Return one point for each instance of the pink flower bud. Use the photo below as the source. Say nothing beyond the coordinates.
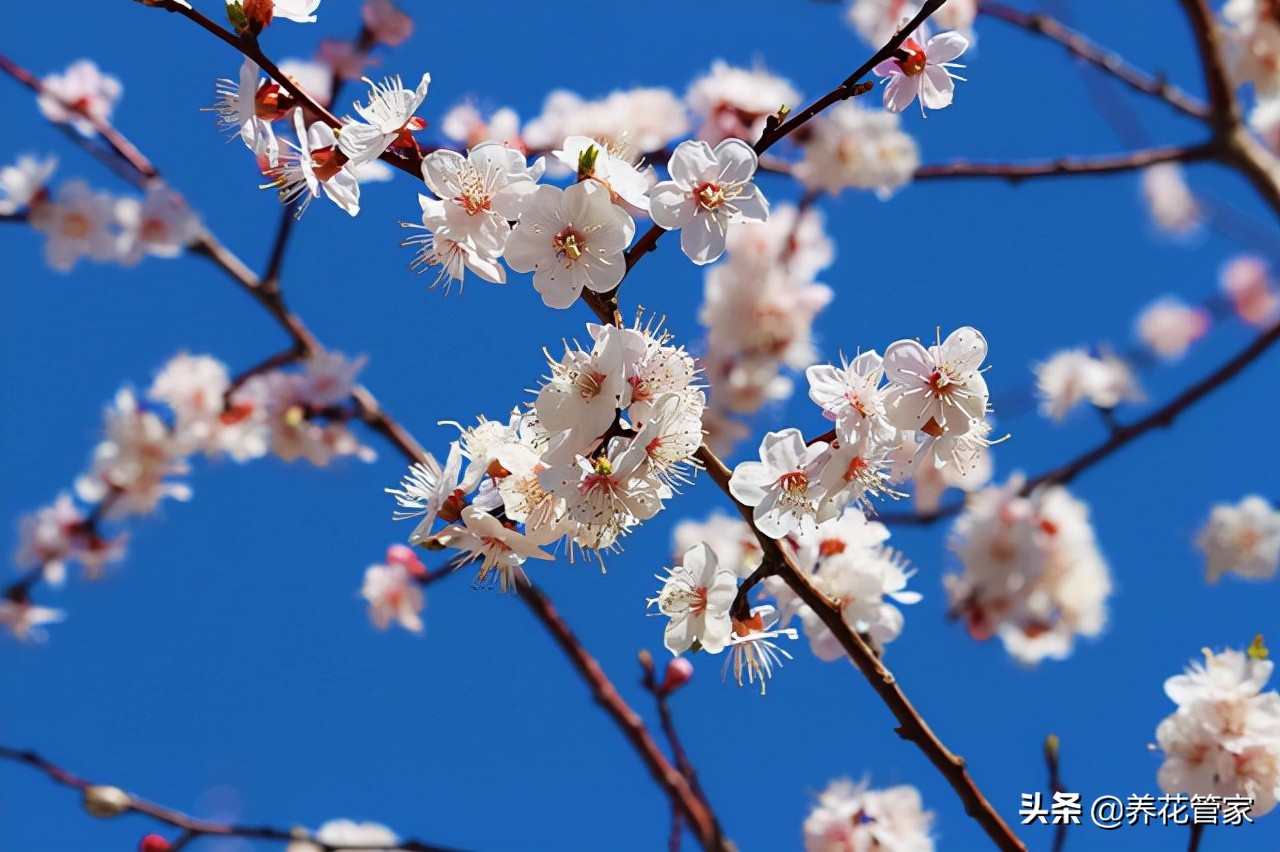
(679, 672)
(154, 843)
(403, 555)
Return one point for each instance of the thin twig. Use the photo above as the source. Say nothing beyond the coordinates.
(1223, 108)
(1052, 760)
(191, 826)
(701, 820)
(1069, 166)
(1112, 63)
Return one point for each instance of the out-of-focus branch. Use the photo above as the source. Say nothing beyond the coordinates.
(190, 826)
(1123, 435)
(1112, 63)
(1224, 110)
(1067, 166)
(120, 145)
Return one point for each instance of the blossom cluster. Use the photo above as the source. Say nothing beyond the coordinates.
(1253, 38)
(1243, 539)
(845, 558)
(1224, 738)
(610, 436)
(78, 221)
(850, 816)
(323, 159)
(192, 407)
(917, 412)
(1032, 572)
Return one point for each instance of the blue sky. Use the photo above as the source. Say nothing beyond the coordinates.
(228, 668)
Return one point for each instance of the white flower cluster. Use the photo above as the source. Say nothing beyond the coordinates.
(877, 21)
(851, 816)
(93, 94)
(845, 558)
(1254, 295)
(1224, 738)
(393, 590)
(190, 408)
(1243, 539)
(344, 835)
(928, 421)
(613, 431)
(851, 146)
(78, 221)
(323, 159)
(1073, 376)
(1253, 35)
(573, 239)
(1032, 575)
(758, 308)
(1168, 326)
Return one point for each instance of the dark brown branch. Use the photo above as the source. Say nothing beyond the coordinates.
(1068, 166)
(1223, 107)
(911, 725)
(1112, 63)
(191, 826)
(701, 821)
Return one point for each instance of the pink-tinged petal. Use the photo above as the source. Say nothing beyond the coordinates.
(750, 205)
(669, 206)
(737, 161)
(945, 47)
(440, 170)
(899, 92)
(906, 361)
(692, 160)
(702, 240)
(965, 349)
(887, 68)
(936, 88)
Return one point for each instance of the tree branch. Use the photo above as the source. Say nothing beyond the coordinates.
(1112, 63)
(1067, 166)
(191, 826)
(911, 725)
(1223, 108)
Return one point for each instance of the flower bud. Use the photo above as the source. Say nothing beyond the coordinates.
(154, 843)
(105, 802)
(258, 14)
(1051, 745)
(679, 672)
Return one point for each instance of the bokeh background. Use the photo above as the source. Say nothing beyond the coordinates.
(227, 668)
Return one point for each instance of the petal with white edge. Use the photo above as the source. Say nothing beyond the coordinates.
(692, 160)
(737, 161)
(945, 47)
(751, 205)
(702, 239)
(937, 89)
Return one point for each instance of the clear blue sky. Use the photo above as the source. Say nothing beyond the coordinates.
(230, 652)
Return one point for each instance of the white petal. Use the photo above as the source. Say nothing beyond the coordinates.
(937, 88)
(691, 160)
(737, 161)
(945, 47)
(702, 240)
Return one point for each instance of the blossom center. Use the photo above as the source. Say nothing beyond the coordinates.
(709, 195)
(914, 62)
(327, 162)
(76, 225)
(569, 243)
(795, 482)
